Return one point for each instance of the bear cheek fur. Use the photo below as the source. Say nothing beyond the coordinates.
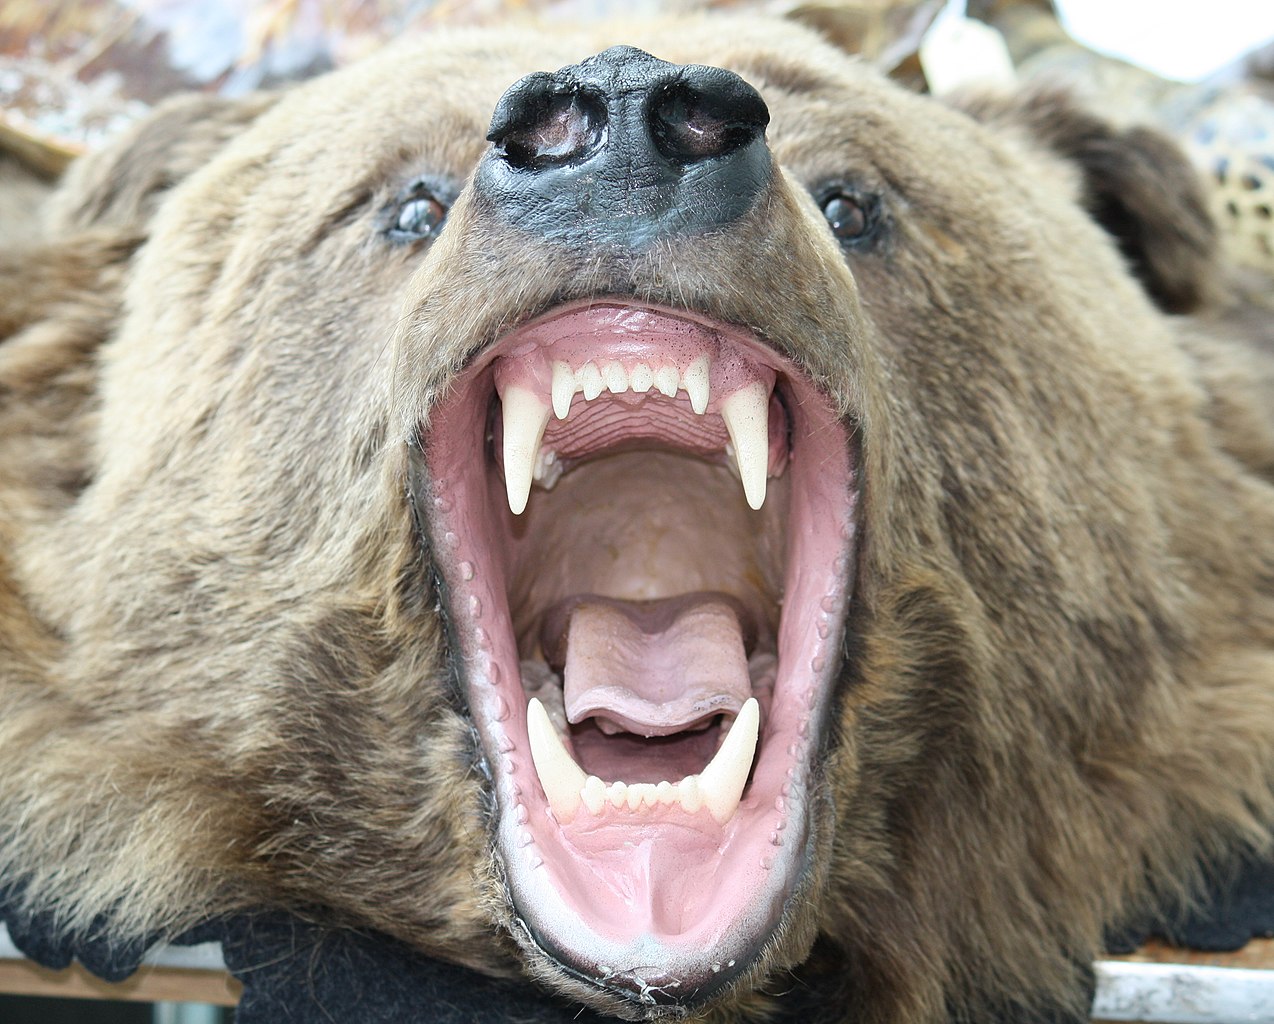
(198, 467)
(1040, 617)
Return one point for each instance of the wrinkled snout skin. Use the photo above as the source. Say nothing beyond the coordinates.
(224, 585)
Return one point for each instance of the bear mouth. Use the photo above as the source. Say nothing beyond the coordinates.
(642, 522)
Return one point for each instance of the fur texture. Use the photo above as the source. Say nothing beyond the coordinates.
(223, 678)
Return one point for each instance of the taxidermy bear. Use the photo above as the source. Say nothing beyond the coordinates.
(651, 526)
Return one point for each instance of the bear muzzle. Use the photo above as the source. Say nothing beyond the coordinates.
(623, 149)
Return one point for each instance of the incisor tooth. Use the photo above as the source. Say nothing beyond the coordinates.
(718, 787)
(525, 417)
(641, 378)
(695, 381)
(721, 783)
(594, 794)
(564, 389)
(590, 381)
(562, 779)
(688, 794)
(667, 380)
(747, 418)
(616, 378)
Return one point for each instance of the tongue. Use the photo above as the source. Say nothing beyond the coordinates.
(653, 668)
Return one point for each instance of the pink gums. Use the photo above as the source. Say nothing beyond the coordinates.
(660, 903)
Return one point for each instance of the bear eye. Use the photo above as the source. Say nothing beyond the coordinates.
(417, 215)
(852, 216)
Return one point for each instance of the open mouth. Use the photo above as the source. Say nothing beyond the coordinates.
(643, 521)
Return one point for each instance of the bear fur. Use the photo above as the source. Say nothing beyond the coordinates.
(224, 678)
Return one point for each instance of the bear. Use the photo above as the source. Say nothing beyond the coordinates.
(940, 554)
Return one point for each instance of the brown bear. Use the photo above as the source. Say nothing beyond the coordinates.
(659, 524)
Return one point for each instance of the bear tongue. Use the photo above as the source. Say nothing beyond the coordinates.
(651, 668)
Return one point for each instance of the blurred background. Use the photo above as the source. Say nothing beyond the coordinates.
(73, 71)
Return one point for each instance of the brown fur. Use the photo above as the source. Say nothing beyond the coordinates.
(222, 675)
(22, 193)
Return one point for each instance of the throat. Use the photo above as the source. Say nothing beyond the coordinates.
(644, 526)
(647, 593)
(645, 598)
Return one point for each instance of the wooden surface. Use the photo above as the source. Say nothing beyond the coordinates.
(1256, 955)
(150, 984)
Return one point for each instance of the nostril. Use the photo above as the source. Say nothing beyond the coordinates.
(624, 149)
(705, 113)
(539, 124)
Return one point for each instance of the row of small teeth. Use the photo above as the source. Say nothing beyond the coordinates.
(526, 416)
(719, 787)
(592, 380)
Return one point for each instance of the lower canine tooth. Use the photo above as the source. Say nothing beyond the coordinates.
(563, 780)
(721, 783)
(747, 418)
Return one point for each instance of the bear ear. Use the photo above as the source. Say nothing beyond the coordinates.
(121, 185)
(1136, 183)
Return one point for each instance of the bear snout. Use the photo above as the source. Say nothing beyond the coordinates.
(623, 149)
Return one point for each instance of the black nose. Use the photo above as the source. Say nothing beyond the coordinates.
(625, 148)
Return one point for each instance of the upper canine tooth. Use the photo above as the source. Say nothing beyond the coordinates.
(590, 381)
(564, 388)
(747, 418)
(721, 783)
(667, 380)
(562, 779)
(616, 378)
(642, 378)
(695, 381)
(525, 417)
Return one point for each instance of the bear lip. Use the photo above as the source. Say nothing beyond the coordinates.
(649, 901)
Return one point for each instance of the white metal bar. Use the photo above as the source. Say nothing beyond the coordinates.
(1183, 994)
(185, 1013)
